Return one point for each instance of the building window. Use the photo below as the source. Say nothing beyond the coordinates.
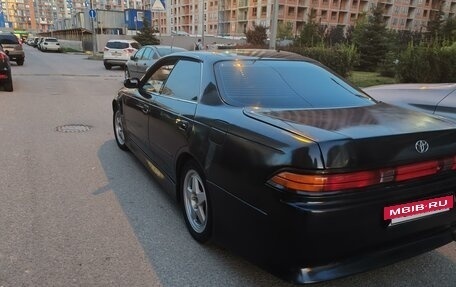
(263, 11)
(254, 11)
(324, 14)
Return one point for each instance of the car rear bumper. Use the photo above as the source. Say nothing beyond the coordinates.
(16, 56)
(317, 238)
(373, 259)
(119, 62)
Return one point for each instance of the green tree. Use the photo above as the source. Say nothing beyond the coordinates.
(448, 30)
(336, 35)
(434, 26)
(256, 36)
(310, 34)
(371, 38)
(145, 35)
(285, 30)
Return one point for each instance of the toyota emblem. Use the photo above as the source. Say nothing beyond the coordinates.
(421, 146)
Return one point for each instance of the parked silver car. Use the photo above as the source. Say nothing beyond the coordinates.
(437, 99)
(138, 64)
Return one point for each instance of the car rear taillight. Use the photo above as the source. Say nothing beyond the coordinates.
(130, 50)
(106, 49)
(342, 181)
(3, 57)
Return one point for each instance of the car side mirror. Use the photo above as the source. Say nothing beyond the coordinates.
(133, 58)
(132, 83)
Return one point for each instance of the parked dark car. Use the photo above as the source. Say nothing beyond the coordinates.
(6, 80)
(438, 99)
(138, 64)
(12, 47)
(277, 159)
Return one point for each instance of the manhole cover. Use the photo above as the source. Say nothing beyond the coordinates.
(74, 128)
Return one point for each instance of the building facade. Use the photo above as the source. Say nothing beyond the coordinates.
(226, 17)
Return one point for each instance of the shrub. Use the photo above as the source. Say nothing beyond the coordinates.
(388, 66)
(427, 64)
(339, 58)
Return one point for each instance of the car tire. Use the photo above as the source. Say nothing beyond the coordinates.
(119, 132)
(107, 66)
(195, 202)
(20, 62)
(8, 86)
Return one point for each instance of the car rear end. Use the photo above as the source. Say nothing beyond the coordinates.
(117, 52)
(12, 47)
(346, 184)
(51, 44)
(6, 80)
(368, 215)
(382, 190)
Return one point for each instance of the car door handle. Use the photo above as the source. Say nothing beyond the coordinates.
(182, 125)
(145, 109)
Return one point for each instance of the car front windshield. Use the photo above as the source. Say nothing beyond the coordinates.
(284, 84)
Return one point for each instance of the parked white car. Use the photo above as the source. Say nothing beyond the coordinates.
(50, 44)
(118, 52)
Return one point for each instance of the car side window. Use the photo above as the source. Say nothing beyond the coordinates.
(155, 82)
(146, 55)
(139, 54)
(184, 82)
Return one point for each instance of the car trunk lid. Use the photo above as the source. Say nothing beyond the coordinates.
(367, 137)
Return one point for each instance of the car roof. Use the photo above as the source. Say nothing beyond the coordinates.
(162, 46)
(252, 54)
(122, 40)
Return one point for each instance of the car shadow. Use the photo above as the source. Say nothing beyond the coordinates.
(177, 260)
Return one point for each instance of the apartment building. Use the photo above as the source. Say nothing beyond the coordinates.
(234, 17)
(229, 17)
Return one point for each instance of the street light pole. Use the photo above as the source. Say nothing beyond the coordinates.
(274, 23)
(201, 3)
(94, 37)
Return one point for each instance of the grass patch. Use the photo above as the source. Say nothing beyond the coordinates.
(367, 79)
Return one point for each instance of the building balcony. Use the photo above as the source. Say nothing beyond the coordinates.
(242, 17)
(243, 3)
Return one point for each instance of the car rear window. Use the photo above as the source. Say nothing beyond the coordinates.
(284, 84)
(117, 45)
(51, 40)
(8, 39)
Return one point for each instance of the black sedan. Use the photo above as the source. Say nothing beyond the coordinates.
(278, 159)
(6, 80)
(438, 99)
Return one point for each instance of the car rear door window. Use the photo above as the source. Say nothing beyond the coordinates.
(138, 54)
(184, 81)
(147, 54)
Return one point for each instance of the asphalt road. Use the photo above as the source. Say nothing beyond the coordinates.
(77, 211)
